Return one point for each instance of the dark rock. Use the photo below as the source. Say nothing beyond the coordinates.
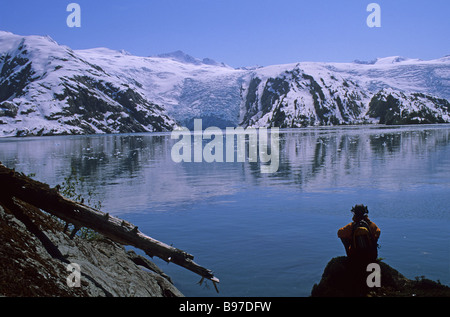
(342, 278)
(35, 254)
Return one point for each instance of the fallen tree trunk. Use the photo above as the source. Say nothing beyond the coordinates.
(19, 186)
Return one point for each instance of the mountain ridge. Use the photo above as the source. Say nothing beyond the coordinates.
(47, 89)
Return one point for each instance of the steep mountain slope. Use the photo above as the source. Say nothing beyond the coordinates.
(46, 88)
(306, 94)
(49, 89)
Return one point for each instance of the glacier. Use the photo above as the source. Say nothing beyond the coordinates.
(49, 89)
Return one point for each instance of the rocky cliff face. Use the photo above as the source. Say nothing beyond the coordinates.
(35, 254)
(318, 94)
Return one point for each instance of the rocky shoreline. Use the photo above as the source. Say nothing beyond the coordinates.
(35, 255)
(342, 279)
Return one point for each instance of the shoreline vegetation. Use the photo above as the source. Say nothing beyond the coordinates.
(37, 249)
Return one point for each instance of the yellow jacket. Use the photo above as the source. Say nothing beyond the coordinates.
(345, 233)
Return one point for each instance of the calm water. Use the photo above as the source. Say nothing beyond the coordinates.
(267, 234)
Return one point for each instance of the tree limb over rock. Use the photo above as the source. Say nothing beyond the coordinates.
(18, 185)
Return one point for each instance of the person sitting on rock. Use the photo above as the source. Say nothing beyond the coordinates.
(360, 237)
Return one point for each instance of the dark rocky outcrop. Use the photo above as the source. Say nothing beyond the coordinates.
(341, 278)
(35, 253)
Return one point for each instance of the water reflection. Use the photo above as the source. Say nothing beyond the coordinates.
(383, 158)
(226, 213)
(136, 171)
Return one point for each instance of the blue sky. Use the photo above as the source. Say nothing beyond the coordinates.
(242, 32)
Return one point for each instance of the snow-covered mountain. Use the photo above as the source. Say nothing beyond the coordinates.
(47, 88)
(390, 90)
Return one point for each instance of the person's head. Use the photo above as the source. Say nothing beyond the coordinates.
(360, 211)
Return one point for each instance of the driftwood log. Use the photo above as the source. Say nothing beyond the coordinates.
(17, 185)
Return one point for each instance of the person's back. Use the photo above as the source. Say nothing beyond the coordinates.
(360, 237)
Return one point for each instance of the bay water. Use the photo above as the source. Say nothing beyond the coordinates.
(266, 234)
